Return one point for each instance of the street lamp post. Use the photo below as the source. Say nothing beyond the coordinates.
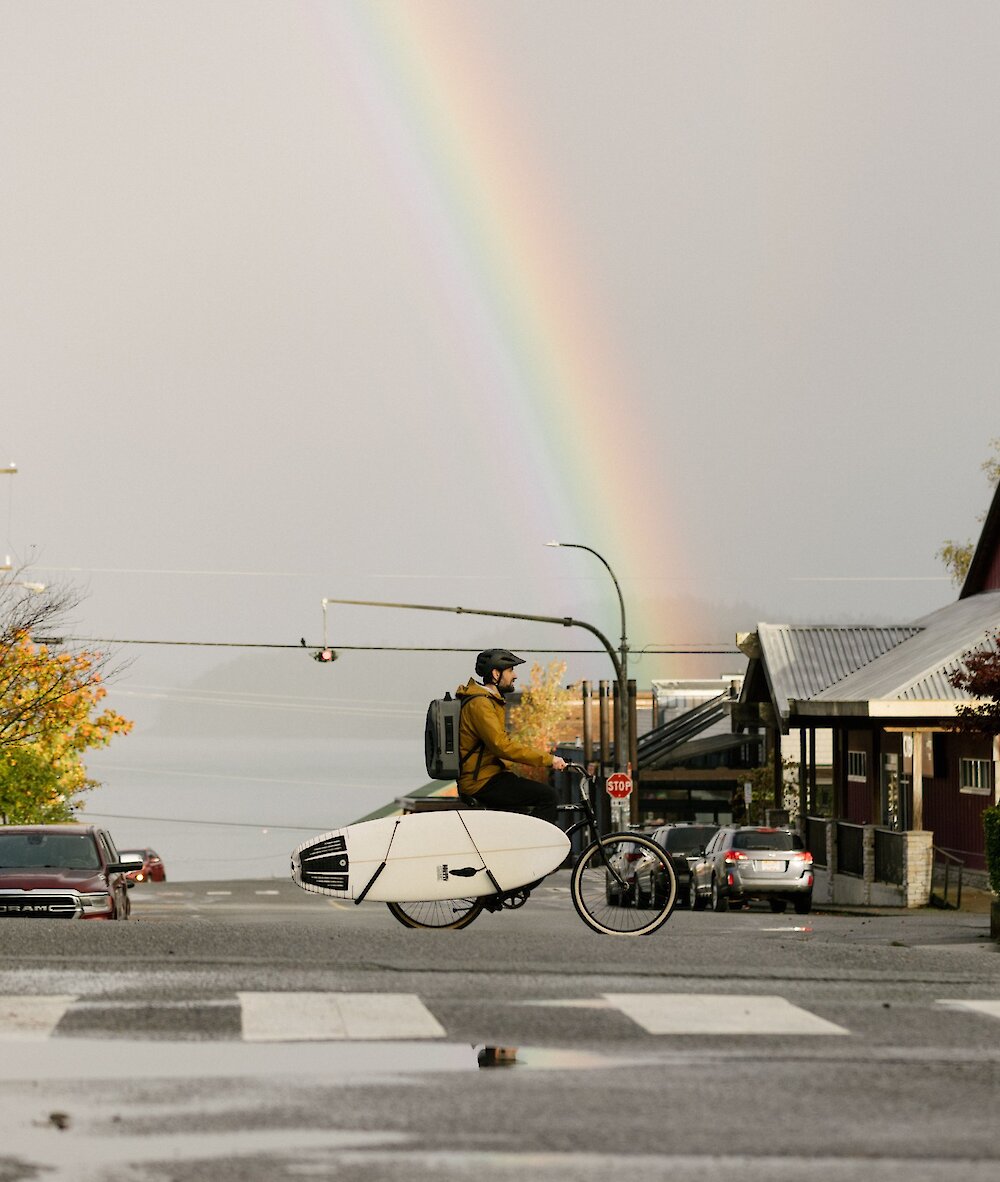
(622, 732)
(564, 621)
(10, 470)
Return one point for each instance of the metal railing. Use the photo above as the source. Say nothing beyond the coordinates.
(951, 871)
(850, 849)
(816, 839)
(888, 856)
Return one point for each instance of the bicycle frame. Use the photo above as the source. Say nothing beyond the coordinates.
(590, 819)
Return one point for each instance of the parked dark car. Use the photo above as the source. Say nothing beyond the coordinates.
(685, 845)
(742, 863)
(61, 872)
(148, 865)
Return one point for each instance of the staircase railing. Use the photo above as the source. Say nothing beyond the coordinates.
(950, 861)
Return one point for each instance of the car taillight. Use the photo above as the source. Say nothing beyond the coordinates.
(805, 856)
(736, 856)
(632, 857)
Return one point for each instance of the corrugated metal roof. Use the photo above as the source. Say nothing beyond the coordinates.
(917, 670)
(803, 660)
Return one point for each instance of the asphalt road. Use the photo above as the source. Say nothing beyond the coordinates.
(251, 1031)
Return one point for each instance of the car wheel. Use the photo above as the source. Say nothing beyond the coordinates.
(719, 900)
(803, 904)
(778, 905)
(695, 901)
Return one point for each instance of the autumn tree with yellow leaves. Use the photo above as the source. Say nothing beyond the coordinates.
(957, 556)
(50, 710)
(545, 706)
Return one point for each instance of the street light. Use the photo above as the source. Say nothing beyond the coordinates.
(10, 470)
(564, 621)
(621, 737)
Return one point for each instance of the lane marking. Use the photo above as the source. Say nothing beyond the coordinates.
(715, 1013)
(990, 1008)
(32, 1017)
(319, 1017)
(571, 1003)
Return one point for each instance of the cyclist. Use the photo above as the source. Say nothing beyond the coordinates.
(485, 748)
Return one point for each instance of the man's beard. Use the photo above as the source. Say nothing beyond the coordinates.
(506, 689)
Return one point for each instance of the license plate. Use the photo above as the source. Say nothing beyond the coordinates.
(771, 864)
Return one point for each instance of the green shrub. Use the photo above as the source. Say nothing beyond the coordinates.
(991, 830)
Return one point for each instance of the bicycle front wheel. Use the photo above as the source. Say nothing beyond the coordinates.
(445, 914)
(595, 890)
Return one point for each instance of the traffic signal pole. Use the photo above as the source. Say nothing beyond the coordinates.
(563, 621)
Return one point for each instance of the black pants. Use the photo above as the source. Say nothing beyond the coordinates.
(516, 794)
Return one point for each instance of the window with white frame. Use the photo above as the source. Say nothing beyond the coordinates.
(976, 777)
(857, 765)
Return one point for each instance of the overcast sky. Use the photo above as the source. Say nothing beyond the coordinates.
(371, 300)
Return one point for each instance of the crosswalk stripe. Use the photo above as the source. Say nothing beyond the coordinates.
(364, 1017)
(717, 1013)
(317, 1017)
(32, 1017)
(992, 1008)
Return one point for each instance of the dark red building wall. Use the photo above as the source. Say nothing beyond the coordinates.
(956, 818)
(859, 798)
(992, 580)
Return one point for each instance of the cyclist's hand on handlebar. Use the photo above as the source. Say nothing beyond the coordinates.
(558, 763)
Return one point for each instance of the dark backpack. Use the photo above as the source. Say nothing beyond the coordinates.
(441, 755)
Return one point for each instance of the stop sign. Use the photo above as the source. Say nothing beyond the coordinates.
(619, 785)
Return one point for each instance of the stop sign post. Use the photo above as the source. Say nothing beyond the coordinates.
(619, 785)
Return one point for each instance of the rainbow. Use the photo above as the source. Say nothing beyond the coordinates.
(501, 253)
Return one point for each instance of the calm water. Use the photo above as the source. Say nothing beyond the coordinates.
(231, 808)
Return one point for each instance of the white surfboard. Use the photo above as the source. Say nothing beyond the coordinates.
(442, 855)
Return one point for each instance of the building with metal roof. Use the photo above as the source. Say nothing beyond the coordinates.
(885, 694)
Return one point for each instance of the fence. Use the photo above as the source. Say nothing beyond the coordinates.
(850, 849)
(888, 856)
(816, 839)
(869, 865)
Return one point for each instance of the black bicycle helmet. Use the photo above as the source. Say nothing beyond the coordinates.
(496, 658)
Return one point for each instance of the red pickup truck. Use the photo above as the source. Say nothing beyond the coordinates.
(61, 872)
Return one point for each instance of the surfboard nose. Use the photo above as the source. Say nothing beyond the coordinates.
(325, 864)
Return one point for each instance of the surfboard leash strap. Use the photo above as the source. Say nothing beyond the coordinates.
(489, 872)
(371, 882)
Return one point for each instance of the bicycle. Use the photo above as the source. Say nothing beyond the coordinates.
(603, 896)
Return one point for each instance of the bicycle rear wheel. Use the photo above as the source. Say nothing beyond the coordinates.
(444, 914)
(593, 886)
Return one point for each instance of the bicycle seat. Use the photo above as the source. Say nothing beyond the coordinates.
(570, 808)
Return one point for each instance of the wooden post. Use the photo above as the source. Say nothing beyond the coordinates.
(812, 770)
(633, 750)
(603, 722)
(616, 730)
(633, 728)
(917, 782)
(588, 729)
(779, 778)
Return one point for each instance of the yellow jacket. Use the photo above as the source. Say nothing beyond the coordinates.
(482, 734)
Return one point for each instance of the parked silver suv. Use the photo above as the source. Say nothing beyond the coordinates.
(741, 863)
